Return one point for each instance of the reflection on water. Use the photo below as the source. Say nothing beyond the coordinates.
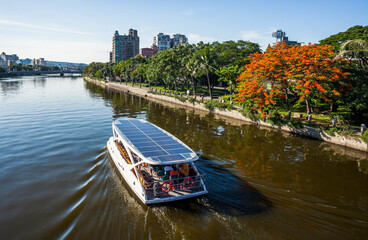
(57, 179)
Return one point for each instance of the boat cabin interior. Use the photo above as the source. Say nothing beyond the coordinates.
(166, 180)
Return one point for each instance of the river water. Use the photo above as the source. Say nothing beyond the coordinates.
(58, 181)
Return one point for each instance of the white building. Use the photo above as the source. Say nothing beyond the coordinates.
(178, 39)
(162, 41)
(38, 62)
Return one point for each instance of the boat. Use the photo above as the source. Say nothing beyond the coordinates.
(156, 165)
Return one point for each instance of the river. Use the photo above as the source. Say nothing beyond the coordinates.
(57, 179)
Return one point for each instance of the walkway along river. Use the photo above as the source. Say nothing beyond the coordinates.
(345, 141)
(57, 180)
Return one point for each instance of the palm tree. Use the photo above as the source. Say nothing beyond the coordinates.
(192, 67)
(356, 49)
(206, 62)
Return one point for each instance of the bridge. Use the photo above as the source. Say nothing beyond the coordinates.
(31, 73)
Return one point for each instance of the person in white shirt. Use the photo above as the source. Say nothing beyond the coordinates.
(168, 169)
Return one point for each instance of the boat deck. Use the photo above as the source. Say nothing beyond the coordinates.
(153, 187)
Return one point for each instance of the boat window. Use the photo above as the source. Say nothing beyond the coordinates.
(123, 152)
(136, 159)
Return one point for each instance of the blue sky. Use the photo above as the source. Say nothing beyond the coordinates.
(81, 31)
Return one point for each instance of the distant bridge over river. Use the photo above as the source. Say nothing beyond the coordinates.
(31, 73)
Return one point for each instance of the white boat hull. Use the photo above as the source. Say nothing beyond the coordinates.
(134, 183)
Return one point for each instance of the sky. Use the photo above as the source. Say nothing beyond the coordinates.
(81, 31)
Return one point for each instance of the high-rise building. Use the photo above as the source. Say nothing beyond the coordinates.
(124, 46)
(164, 42)
(38, 62)
(281, 37)
(5, 57)
(178, 39)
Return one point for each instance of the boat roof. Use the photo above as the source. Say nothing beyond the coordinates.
(152, 143)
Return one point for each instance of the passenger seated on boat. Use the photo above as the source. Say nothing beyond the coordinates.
(173, 172)
(174, 176)
(191, 171)
(157, 168)
(184, 169)
(168, 169)
(165, 177)
(145, 180)
(160, 173)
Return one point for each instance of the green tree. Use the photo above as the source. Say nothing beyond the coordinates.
(229, 74)
(355, 95)
(107, 70)
(191, 67)
(355, 50)
(99, 74)
(356, 32)
(206, 61)
(92, 68)
(234, 53)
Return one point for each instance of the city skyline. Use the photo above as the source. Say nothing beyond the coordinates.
(81, 31)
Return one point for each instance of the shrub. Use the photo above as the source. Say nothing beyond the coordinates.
(251, 114)
(224, 105)
(181, 99)
(152, 92)
(295, 123)
(276, 119)
(365, 137)
(226, 98)
(191, 100)
(210, 105)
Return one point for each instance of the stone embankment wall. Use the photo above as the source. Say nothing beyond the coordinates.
(351, 142)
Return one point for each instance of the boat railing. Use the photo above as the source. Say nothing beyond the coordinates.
(173, 186)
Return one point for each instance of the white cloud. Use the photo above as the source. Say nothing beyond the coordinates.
(262, 38)
(195, 38)
(33, 26)
(57, 50)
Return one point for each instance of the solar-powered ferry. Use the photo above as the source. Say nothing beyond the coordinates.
(157, 166)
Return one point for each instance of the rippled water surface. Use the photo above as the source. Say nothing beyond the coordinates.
(58, 181)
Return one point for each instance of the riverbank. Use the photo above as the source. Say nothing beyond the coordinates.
(306, 131)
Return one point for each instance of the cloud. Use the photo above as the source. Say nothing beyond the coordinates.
(262, 38)
(195, 38)
(32, 26)
(58, 50)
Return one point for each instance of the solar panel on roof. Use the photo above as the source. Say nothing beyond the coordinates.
(155, 153)
(141, 141)
(153, 142)
(142, 144)
(149, 148)
(162, 138)
(154, 134)
(177, 151)
(170, 158)
(172, 146)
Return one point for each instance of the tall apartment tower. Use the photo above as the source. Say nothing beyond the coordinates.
(124, 46)
(178, 39)
(162, 41)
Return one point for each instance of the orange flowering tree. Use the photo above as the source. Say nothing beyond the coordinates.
(289, 73)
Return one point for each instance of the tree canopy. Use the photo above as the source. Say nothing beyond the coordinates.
(184, 65)
(356, 32)
(287, 74)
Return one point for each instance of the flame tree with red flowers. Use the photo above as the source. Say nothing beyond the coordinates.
(284, 74)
